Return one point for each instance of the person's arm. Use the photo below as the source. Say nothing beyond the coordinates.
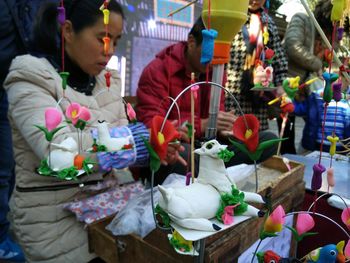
(297, 33)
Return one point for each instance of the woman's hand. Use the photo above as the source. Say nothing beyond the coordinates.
(173, 155)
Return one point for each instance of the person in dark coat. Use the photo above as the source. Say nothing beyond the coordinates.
(16, 18)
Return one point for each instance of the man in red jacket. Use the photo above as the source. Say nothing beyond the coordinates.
(168, 75)
(165, 77)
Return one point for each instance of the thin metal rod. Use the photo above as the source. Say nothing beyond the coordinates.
(199, 84)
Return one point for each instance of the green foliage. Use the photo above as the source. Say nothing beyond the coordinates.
(233, 198)
(164, 215)
(154, 158)
(225, 155)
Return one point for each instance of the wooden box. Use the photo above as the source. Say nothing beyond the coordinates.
(282, 186)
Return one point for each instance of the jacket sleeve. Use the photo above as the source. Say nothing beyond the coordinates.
(296, 35)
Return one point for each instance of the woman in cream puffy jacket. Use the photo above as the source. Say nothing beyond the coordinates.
(46, 232)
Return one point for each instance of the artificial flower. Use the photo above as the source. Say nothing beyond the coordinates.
(160, 139)
(130, 112)
(250, 137)
(73, 112)
(273, 223)
(269, 53)
(53, 118)
(347, 249)
(247, 132)
(305, 222)
(227, 216)
(345, 217)
(78, 115)
(84, 114)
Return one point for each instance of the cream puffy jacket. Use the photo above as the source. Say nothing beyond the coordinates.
(299, 45)
(46, 232)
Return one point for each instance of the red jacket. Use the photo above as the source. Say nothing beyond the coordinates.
(166, 76)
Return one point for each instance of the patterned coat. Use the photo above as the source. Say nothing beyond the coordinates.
(249, 101)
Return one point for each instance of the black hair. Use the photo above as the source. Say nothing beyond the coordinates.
(196, 30)
(81, 13)
(322, 13)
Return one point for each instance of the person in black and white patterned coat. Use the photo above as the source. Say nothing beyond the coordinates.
(240, 77)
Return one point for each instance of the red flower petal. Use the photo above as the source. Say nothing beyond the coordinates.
(240, 129)
(169, 131)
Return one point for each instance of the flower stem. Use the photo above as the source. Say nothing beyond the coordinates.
(256, 250)
(256, 177)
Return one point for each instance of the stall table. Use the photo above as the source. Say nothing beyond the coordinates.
(277, 184)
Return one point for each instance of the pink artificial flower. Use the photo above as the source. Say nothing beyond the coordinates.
(275, 221)
(53, 118)
(345, 217)
(131, 112)
(347, 249)
(227, 216)
(305, 222)
(84, 114)
(195, 89)
(73, 112)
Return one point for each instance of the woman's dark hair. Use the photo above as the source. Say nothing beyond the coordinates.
(196, 31)
(82, 14)
(322, 12)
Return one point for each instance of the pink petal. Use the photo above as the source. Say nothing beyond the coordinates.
(305, 222)
(130, 111)
(347, 249)
(53, 118)
(277, 216)
(345, 217)
(71, 108)
(227, 219)
(84, 114)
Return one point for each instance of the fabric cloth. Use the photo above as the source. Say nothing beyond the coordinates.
(33, 85)
(312, 110)
(105, 204)
(299, 44)
(166, 77)
(137, 155)
(237, 77)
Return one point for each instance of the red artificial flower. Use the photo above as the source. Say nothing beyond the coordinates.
(269, 53)
(160, 140)
(248, 135)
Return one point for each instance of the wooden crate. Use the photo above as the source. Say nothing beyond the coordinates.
(287, 189)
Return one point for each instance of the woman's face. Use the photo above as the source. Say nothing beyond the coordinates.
(86, 48)
(256, 4)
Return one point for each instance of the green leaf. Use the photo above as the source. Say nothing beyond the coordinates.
(56, 130)
(225, 155)
(189, 130)
(154, 158)
(267, 144)
(44, 168)
(164, 215)
(49, 135)
(265, 234)
(306, 234)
